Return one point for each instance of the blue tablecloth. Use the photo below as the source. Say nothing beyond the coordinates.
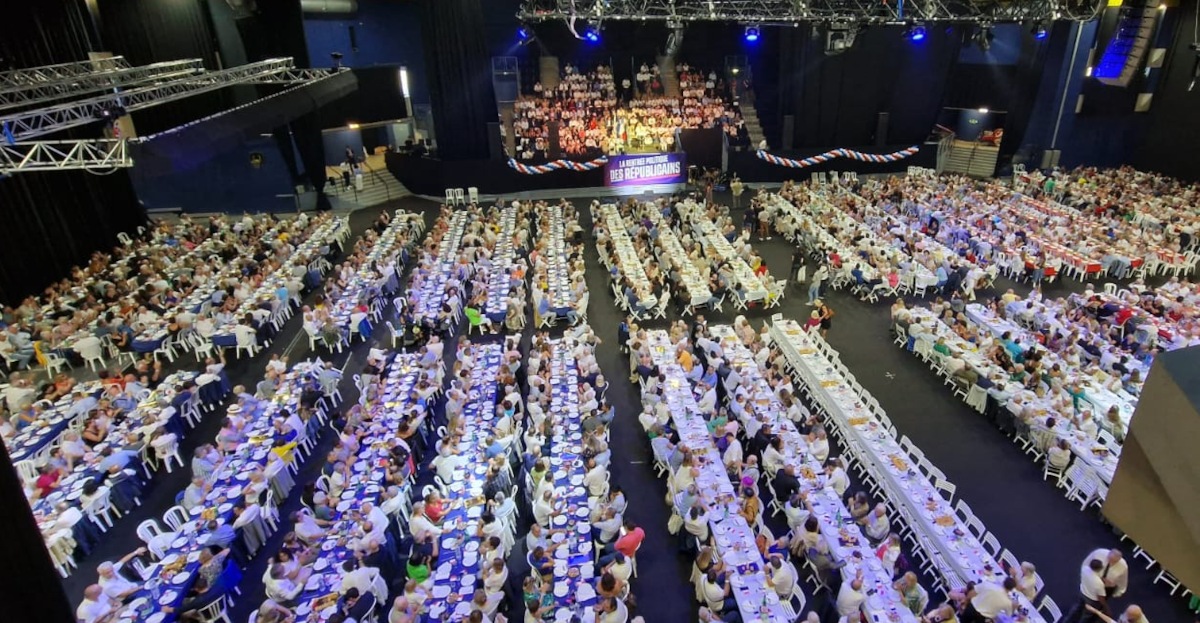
(170, 580)
(147, 346)
(457, 568)
(575, 562)
(366, 485)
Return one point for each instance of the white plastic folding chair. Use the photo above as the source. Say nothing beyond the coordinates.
(458, 196)
(473, 194)
(175, 517)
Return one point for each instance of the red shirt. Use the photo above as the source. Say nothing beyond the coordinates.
(629, 542)
(46, 483)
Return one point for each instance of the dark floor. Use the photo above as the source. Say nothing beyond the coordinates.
(1029, 516)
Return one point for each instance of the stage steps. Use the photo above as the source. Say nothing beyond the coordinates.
(974, 159)
(379, 185)
(753, 127)
(668, 75)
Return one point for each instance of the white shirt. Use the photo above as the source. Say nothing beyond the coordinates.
(116, 585)
(849, 600)
(421, 525)
(1117, 574)
(88, 610)
(991, 599)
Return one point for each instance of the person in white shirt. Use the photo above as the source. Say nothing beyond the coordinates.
(420, 525)
(876, 525)
(96, 607)
(836, 477)
(990, 601)
(1114, 571)
(850, 597)
(781, 576)
(1132, 614)
(115, 586)
(596, 479)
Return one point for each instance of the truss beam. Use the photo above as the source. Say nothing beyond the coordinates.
(33, 123)
(41, 92)
(54, 73)
(796, 11)
(89, 154)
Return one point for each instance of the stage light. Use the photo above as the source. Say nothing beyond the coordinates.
(915, 33)
(524, 33)
(752, 34)
(591, 35)
(1039, 31)
(983, 37)
(983, 111)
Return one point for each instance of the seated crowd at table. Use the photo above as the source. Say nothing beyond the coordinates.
(1028, 237)
(593, 122)
(726, 424)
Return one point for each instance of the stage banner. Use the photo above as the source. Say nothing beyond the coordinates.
(646, 169)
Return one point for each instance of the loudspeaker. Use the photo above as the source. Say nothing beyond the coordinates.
(1050, 158)
(353, 39)
(881, 129)
(554, 153)
(789, 129)
(495, 141)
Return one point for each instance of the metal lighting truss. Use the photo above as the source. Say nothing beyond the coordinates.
(108, 154)
(796, 11)
(28, 124)
(103, 153)
(31, 93)
(55, 73)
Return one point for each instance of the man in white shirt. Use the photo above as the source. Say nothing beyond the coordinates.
(420, 525)
(1115, 572)
(114, 585)
(96, 607)
(1092, 592)
(990, 601)
(850, 597)
(781, 575)
(596, 479)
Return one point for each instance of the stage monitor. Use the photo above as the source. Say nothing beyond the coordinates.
(1155, 494)
(646, 169)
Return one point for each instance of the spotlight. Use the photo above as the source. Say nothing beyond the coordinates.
(753, 33)
(591, 35)
(983, 37)
(1039, 31)
(524, 33)
(915, 33)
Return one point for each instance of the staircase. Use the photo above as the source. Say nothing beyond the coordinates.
(669, 76)
(753, 127)
(379, 185)
(973, 159)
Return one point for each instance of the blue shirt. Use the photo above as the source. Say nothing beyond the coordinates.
(119, 458)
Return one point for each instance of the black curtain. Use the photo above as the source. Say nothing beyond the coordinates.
(151, 31)
(45, 33)
(56, 220)
(306, 131)
(836, 99)
(1010, 88)
(52, 220)
(460, 82)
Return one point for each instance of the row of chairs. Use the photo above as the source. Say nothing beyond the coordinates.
(456, 196)
(929, 557)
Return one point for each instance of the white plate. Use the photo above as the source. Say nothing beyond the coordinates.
(472, 546)
(181, 577)
(178, 543)
(157, 617)
(560, 589)
(441, 591)
(321, 564)
(193, 556)
(167, 598)
(560, 520)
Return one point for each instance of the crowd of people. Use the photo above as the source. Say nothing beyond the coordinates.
(592, 120)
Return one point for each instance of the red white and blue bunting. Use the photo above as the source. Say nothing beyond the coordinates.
(557, 165)
(838, 153)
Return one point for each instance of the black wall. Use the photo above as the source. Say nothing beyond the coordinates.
(1170, 141)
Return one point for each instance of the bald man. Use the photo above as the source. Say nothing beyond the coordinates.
(96, 607)
(1132, 614)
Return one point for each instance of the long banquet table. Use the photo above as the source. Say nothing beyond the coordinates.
(960, 556)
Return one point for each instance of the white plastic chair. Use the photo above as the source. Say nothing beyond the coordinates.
(91, 349)
(175, 517)
(458, 196)
(473, 194)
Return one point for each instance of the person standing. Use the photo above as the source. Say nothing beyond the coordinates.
(814, 286)
(990, 601)
(827, 315)
(1115, 573)
(1093, 596)
(737, 188)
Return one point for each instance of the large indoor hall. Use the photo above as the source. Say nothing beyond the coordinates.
(634, 311)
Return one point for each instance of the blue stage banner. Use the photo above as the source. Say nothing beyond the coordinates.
(646, 169)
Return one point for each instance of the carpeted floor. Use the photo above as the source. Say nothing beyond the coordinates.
(1030, 517)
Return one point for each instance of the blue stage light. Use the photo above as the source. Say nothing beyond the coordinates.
(752, 34)
(591, 35)
(1040, 32)
(524, 33)
(915, 33)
